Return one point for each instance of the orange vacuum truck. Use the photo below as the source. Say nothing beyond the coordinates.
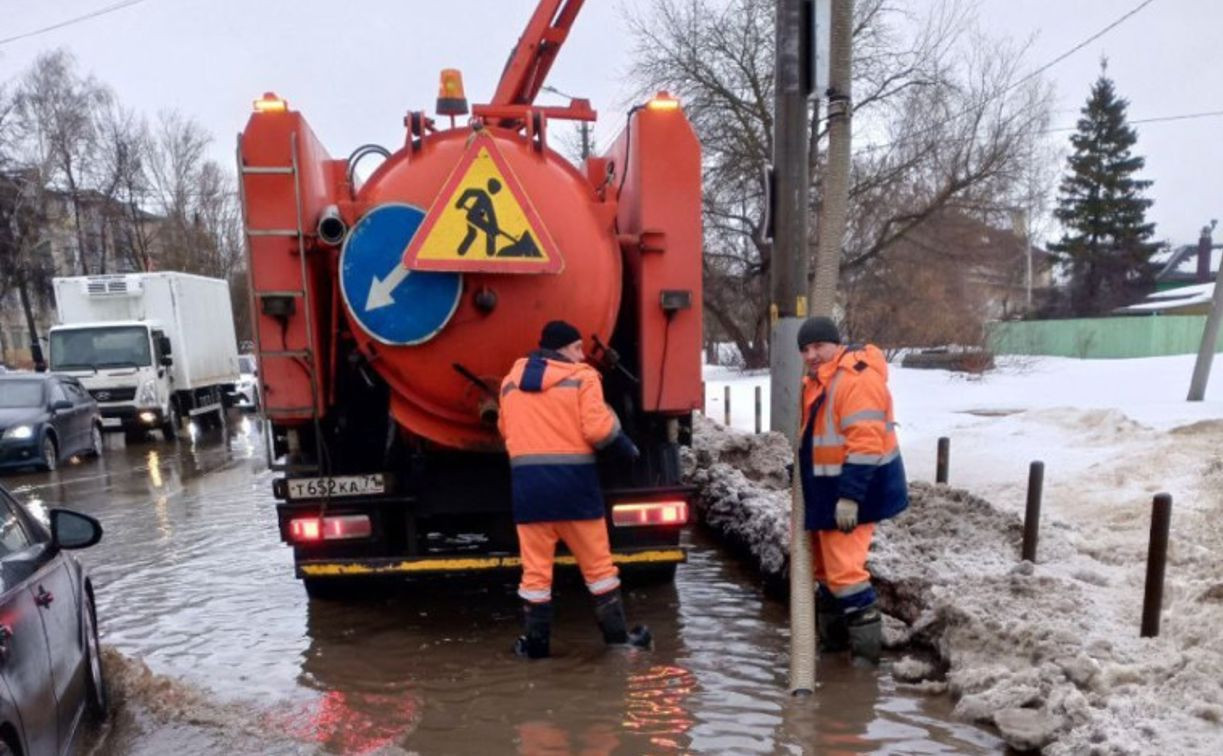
(387, 311)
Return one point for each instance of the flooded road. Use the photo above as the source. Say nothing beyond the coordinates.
(214, 647)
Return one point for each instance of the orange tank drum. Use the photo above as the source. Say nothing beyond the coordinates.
(462, 247)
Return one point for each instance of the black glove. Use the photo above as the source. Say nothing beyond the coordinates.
(623, 446)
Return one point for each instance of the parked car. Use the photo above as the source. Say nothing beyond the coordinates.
(44, 419)
(247, 390)
(50, 659)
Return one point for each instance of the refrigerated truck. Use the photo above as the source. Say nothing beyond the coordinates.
(152, 348)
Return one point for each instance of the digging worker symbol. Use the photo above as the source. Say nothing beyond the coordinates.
(482, 219)
(852, 477)
(554, 419)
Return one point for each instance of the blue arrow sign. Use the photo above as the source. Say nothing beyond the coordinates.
(394, 305)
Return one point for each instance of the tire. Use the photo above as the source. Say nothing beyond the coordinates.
(654, 574)
(95, 441)
(96, 696)
(169, 428)
(50, 454)
(345, 589)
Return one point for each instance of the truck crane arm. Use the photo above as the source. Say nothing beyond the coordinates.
(532, 57)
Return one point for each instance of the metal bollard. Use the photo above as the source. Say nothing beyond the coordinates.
(1157, 559)
(759, 417)
(726, 404)
(944, 460)
(1031, 518)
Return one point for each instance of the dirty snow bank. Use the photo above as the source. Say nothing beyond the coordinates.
(1048, 653)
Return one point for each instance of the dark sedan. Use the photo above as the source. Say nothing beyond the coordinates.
(50, 660)
(45, 419)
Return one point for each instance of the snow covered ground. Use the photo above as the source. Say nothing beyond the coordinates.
(1050, 653)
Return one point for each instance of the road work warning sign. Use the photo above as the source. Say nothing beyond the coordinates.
(482, 220)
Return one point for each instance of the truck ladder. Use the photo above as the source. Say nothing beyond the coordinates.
(305, 357)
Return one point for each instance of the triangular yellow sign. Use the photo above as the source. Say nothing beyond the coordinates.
(483, 221)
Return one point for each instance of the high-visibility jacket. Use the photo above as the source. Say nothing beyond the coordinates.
(553, 419)
(849, 448)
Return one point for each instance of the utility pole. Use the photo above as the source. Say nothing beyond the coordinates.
(1210, 335)
(788, 308)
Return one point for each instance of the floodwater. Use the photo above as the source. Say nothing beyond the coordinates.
(213, 647)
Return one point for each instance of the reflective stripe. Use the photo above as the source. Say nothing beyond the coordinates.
(537, 595)
(862, 417)
(826, 470)
(604, 585)
(615, 431)
(552, 459)
(828, 440)
(850, 590)
(569, 383)
(507, 388)
(830, 427)
(872, 459)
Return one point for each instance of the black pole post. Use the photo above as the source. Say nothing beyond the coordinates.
(944, 460)
(759, 420)
(1157, 559)
(726, 404)
(1031, 518)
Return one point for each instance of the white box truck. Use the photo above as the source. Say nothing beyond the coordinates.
(152, 348)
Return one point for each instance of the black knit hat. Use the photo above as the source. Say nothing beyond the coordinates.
(558, 334)
(818, 329)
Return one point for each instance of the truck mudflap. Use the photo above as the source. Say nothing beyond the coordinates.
(390, 566)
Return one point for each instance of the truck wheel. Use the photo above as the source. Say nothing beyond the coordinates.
(169, 428)
(653, 574)
(344, 589)
(50, 455)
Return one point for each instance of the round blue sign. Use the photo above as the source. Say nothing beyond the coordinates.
(394, 305)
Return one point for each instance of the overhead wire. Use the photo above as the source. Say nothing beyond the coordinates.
(75, 20)
(1021, 80)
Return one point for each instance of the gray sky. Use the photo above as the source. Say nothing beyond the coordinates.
(354, 68)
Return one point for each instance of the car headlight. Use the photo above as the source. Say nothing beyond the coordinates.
(147, 394)
(20, 432)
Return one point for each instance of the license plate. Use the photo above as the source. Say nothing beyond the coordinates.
(340, 485)
(112, 422)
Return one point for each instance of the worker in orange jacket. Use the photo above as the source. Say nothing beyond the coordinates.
(554, 419)
(852, 477)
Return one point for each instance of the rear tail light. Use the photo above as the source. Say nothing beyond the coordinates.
(650, 513)
(338, 528)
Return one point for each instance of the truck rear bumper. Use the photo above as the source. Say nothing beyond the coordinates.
(391, 566)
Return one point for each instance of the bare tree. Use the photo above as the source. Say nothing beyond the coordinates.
(124, 183)
(58, 111)
(946, 117)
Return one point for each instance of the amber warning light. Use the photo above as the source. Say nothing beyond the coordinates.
(650, 513)
(270, 103)
(663, 101)
(451, 100)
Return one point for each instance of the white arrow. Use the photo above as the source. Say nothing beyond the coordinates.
(380, 290)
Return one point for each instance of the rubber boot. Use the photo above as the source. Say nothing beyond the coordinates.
(830, 622)
(866, 635)
(537, 626)
(609, 611)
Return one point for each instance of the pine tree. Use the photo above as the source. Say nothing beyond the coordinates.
(1106, 246)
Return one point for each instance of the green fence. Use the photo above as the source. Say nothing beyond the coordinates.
(1101, 338)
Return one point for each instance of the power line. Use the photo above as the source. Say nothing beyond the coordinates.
(1157, 119)
(1023, 79)
(77, 19)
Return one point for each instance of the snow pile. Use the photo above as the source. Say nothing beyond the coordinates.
(1048, 653)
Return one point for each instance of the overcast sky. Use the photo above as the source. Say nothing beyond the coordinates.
(355, 67)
